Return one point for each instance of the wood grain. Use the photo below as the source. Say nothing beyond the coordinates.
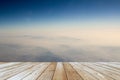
(59, 70)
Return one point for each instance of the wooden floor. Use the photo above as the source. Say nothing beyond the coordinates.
(59, 71)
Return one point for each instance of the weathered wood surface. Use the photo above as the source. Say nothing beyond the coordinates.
(59, 70)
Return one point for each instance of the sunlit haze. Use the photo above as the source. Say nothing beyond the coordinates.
(59, 30)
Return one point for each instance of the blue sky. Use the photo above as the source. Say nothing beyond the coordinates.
(15, 13)
(59, 30)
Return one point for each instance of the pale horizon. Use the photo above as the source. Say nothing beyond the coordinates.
(69, 30)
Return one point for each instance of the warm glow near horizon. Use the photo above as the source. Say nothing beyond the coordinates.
(71, 30)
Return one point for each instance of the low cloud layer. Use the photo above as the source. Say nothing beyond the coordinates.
(10, 52)
(65, 46)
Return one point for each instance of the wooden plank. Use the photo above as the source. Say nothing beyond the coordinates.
(60, 72)
(103, 71)
(112, 65)
(87, 73)
(9, 73)
(26, 72)
(112, 73)
(37, 72)
(48, 73)
(8, 64)
(71, 73)
(111, 70)
(12, 67)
